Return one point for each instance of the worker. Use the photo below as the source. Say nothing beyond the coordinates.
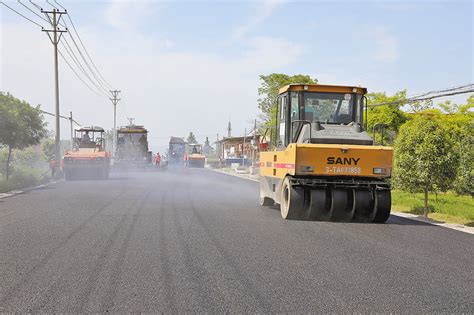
(186, 159)
(157, 159)
(195, 151)
(86, 139)
(52, 166)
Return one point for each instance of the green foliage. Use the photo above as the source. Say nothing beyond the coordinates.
(21, 125)
(424, 157)
(458, 123)
(268, 92)
(49, 149)
(191, 138)
(390, 115)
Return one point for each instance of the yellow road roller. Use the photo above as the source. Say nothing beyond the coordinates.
(322, 164)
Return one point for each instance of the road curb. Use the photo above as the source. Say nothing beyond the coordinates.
(234, 174)
(18, 192)
(452, 226)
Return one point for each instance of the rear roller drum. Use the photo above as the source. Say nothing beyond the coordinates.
(292, 201)
(364, 205)
(320, 207)
(383, 204)
(342, 205)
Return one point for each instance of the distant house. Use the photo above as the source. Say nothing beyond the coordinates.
(238, 149)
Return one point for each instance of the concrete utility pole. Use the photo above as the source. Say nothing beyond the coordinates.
(54, 18)
(72, 133)
(243, 148)
(114, 100)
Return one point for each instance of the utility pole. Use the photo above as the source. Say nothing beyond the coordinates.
(54, 18)
(72, 136)
(254, 142)
(114, 100)
(243, 148)
(229, 129)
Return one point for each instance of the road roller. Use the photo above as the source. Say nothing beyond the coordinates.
(321, 164)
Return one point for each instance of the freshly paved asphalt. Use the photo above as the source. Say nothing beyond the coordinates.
(196, 240)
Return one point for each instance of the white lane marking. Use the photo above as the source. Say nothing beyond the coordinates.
(17, 192)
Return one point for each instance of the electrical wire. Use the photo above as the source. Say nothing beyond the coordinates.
(419, 99)
(23, 16)
(87, 64)
(74, 58)
(77, 75)
(29, 9)
(84, 47)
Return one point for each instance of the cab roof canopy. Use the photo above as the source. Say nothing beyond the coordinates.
(322, 88)
(90, 129)
(132, 129)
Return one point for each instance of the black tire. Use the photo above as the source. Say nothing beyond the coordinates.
(68, 175)
(342, 205)
(320, 206)
(383, 205)
(364, 205)
(292, 201)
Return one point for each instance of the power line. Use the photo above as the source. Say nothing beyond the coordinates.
(74, 71)
(87, 53)
(29, 9)
(449, 92)
(61, 116)
(26, 18)
(87, 64)
(74, 58)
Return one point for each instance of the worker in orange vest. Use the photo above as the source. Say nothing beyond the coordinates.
(186, 159)
(52, 166)
(158, 159)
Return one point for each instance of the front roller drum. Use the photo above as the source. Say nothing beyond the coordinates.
(383, 205)
(292, 201)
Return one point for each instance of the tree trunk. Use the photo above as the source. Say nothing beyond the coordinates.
(8, 160)
(426, 202)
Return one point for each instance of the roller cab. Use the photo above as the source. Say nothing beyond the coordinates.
(323, 164)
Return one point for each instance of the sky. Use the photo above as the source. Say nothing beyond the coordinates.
(194, 65)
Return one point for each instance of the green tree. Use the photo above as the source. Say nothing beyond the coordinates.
(424, 158)
(268, 92)
(21, 125)
(49, 147)
(390, 115)
(458, 123)
(191, 138)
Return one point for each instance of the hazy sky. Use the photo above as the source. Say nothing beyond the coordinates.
(191, 65)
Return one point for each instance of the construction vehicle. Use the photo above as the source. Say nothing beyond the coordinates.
(88, 158)
(195, 156)
(176, 152)
(132, 147)
(322, 164)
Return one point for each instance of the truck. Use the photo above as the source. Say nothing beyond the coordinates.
(176, 152)
(132, 147)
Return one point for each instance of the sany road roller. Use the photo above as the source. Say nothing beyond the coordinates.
(322, 164)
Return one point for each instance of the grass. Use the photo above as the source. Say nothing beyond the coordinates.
(23, 180)
(447, 207)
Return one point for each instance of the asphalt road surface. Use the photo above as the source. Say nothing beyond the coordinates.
(196, 240)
